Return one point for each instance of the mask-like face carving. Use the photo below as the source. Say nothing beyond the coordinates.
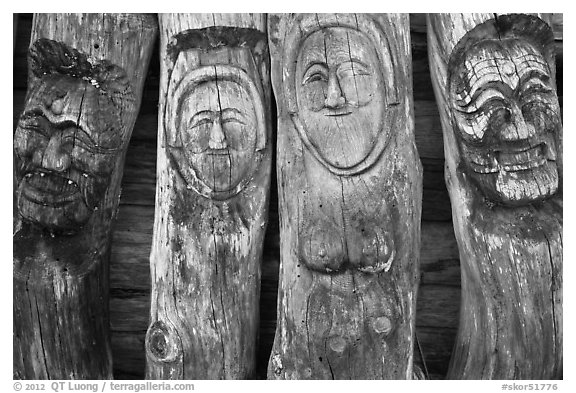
(217, 127)
(66, 145)
(339, 93)
(505, 104)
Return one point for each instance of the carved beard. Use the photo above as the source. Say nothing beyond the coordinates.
(221, 170)
(343, 137)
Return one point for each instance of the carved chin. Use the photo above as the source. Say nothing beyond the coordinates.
(65, 214)
(520, 187)
(343, 138)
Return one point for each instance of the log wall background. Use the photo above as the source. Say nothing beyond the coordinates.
(439, 293)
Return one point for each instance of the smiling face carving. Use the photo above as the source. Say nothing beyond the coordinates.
(339, 94)
(65, 151)
(504, 102)
(218, 131)
(215, 128)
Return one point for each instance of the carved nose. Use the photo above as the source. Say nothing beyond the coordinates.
(54, 157)
(335, 98)
(217, 137)
(517, 128)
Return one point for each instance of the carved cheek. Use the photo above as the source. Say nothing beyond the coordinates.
(360, 88)
(312, 95)
(27, 142)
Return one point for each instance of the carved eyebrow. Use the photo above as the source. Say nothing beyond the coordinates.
(535, 76)
(496, 91)
(353, 61)
(79, 132)
(200, 116)
(492, 80)
(315, 63)
(235, 111)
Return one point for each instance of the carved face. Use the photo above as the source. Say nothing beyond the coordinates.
(505, 104)
(217, 127)
(340, 94)
(66, 145)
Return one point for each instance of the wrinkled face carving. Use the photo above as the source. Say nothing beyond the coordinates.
(218, 129)
(66, 145)
(505, 104)
(339, 93)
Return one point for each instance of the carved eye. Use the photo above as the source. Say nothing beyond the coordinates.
(199, 122)
(316, 72)
(353, 69)
(35, 124)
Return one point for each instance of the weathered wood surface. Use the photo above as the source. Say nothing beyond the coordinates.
(213, 171)
(350, 186)
(495, 86)
(132, 235)
(85, 81)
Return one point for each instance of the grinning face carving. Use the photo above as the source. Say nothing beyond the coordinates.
(505, 104)
(66, 145)
(339, 100)
(217, 127)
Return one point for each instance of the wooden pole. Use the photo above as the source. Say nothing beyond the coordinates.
(494, 80)
(350, 189)
(85, 82)
(214, 163)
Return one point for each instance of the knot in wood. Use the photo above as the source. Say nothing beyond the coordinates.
(382, 325)
(161, 343)
(337, 344)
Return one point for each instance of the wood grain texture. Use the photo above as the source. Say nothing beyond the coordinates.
(69, 148)
(503, 143)
(130, 268)
(350, 186)
(213, 171)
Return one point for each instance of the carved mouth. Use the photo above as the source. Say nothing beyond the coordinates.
(218, 152)
(49, 189)
(513, 160)
(337, 112)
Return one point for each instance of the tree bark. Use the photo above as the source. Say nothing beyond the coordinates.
(350, 190)
(86, 73)
(494, 81)
(213, 171)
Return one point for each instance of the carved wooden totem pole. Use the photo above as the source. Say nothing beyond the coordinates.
(495, 86)
(350, 188)
(85, 82)
(214, 163)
